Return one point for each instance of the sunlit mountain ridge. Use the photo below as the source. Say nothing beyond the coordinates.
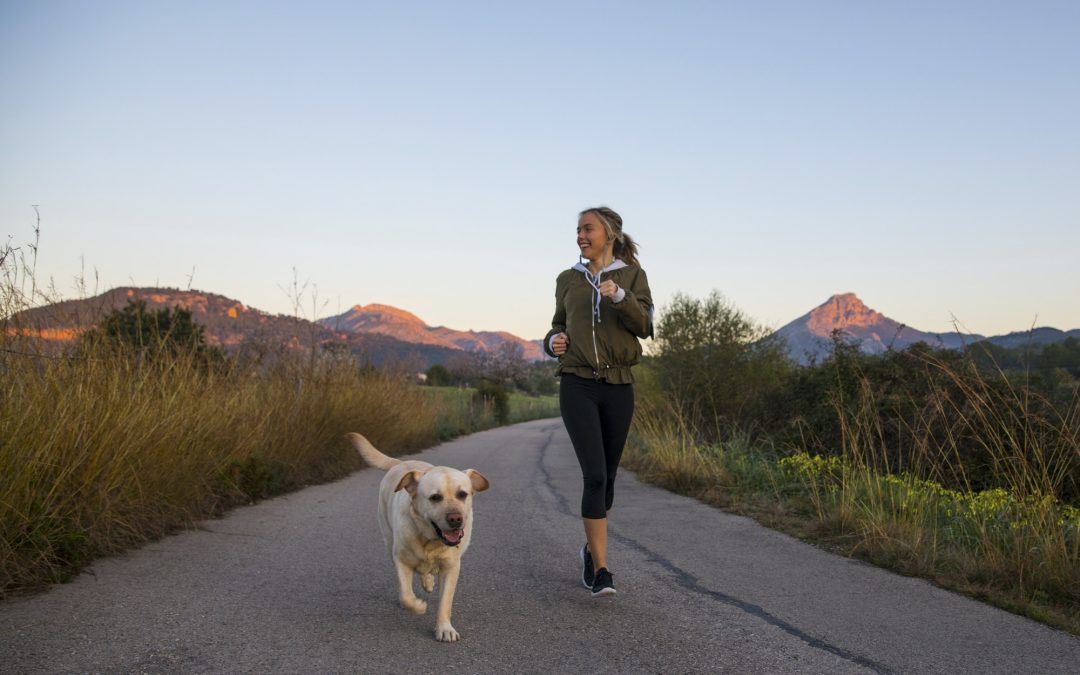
(377, 335)
(809, 337)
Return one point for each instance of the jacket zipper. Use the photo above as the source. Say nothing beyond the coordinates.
(596, 350)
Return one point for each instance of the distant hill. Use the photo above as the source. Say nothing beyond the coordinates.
(1037, 337)
(231, 325)
(407, 327)
(228, 322)
(810, 336)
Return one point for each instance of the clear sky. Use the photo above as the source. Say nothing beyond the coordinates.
(434, 156)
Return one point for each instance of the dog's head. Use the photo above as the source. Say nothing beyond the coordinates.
(442, 497)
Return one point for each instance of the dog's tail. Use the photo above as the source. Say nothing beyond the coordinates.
(370, 454)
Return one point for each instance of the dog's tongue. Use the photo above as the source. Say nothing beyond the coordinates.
(453, 536)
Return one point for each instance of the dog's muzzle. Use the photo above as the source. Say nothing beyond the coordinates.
(449, 537)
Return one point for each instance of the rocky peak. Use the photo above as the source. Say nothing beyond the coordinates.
(408, 327)
(376, 313)
(843, 310)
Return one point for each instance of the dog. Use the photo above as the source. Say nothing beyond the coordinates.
(425, 514)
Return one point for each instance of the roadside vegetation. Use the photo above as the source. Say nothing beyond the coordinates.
(962, 467)
(138, 428)
(482, 389)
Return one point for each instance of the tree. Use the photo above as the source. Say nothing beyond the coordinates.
(465, 367)
(439, 376)
(505, 364)
(162, 333)
(717, 365)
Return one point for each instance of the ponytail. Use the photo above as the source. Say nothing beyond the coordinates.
(626, 249)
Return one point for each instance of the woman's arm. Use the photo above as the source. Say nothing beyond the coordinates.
(558, 322)
(636, 307)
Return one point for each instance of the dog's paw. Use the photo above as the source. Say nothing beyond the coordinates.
(414, 605)
(444, 632)
(428, 581)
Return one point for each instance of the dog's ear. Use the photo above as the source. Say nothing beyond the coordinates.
(409, 482)
(479, 483)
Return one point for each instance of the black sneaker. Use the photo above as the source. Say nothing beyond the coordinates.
(603, 584)
(588, 574)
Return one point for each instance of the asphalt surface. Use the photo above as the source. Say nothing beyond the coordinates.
(303, 584)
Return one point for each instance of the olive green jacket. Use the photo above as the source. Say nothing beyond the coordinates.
(603, 336)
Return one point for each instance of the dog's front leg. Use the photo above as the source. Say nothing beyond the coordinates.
(405, 589)
(444, 632)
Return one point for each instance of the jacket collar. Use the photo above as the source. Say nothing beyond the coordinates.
(615, 265)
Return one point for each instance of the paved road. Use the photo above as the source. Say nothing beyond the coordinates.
(302, 584)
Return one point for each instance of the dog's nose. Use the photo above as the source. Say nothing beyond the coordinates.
(454, 520)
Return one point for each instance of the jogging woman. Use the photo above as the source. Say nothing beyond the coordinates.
(602, 306)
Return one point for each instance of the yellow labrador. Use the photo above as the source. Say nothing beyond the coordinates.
(425, 513)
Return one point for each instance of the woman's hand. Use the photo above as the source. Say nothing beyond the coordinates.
(559, 343)
(608, 288)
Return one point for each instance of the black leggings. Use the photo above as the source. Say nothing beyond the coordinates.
(597, 416)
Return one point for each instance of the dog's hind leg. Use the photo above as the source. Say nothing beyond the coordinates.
(405, 589)
(444, 632)
(428, 582)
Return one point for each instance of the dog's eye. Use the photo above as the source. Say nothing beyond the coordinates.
(462, 495)
(436, 497)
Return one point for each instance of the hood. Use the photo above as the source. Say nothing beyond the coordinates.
(615, 265)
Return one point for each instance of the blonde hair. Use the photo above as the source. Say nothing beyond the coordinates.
(625, 248)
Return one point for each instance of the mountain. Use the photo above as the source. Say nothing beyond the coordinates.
(810, 336)
(233, 326)
(1037, 337)
(228, 322)
(402, 325)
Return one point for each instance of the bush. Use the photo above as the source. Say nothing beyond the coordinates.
(538, 379)
(717, 366)
(439, 376)
(950, 416)
(157, 335)
(939, 415)
(494, 394)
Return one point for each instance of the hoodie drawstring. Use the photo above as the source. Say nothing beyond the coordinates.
(594, 281)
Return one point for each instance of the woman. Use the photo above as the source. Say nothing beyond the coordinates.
(602, 306)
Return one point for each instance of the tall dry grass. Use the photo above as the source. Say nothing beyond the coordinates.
(1016, 544)
(103, 451)
(1017, 541)
(103, 448)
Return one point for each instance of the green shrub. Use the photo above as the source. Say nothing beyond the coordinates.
(496, 395)
(718, 368)
(439, 376)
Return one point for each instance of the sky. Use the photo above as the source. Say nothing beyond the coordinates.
(434, 155)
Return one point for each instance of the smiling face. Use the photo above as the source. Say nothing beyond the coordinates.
(592, 238)
(442, 497)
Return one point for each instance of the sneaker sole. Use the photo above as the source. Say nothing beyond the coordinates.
(582, 555)
(602, 592)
